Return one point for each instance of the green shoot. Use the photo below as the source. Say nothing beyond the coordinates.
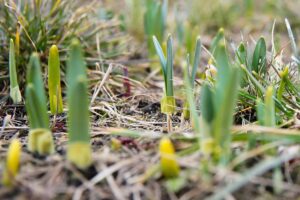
(219, 37)
(217, 105)
(79, 150)
(227, 84)
(270, 118)
(259, 61)
(55, 98)
(155, 22)
(190, 100)
(190, 35)
(241, 58)
(266, 111)
(166, 64)
(168, 100)
(192, 74)
(241, 54)
(283, 82)
(40, 138)
(15, 93)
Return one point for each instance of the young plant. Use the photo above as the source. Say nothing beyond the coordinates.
(284, 75)
(79, 149)
(217, 108)
(241, 59)
(168, 100)
(155, 22)
(216, 40)
(12, 162)
(259, 61)
(192, 74)
(55, 98)
(266, 111)
(168, 162)
(15, 93)
(40, 137)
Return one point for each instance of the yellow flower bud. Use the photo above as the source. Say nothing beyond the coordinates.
(168, 162)
(12, 162)
(115, 144)
(84, 150)
(40, 141)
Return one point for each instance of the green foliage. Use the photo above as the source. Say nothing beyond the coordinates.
(259, 61)
(207, 104)
(217, 106)
(192, 75)
(216, 40)
(36, 105)
(38, 25)
(241, 59)
(190, 103)
(55, 97)
(15, 93)
(168, 101)
(227, 84)
(79, 150)
(166, 64)
(155, 22)
(40, 138)
(241, 54)
(266, 111)
(283, 82)
(196, 61)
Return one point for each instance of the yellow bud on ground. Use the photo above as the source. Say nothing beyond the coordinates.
(12, 162)
(168, 162)
(80, 154)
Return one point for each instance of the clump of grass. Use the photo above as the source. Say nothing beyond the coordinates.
(40, 137)
(38, 24)
(55, 97)
(79, 149)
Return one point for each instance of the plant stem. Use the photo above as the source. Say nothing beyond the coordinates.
(169, 123)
